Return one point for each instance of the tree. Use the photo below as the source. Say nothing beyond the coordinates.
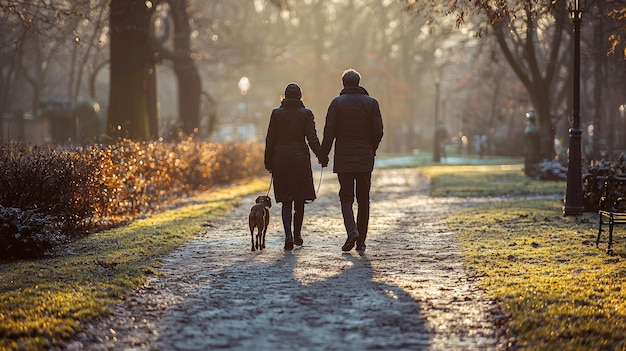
(534, 38)
(132, 70)
(231, 39)
(36, 34)
(537, 55)
(46, 50)
(187, 75)
(150, 48)
(530, 36)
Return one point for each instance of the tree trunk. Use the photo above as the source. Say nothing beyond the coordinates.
(600, 62)
(541, 100)
(189, 83)
(153, 102)
(189, 90)
(130, 70)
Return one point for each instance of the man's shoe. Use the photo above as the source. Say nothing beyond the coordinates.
(288, 242)
(298, 240)
(360, 246)
(352, 238)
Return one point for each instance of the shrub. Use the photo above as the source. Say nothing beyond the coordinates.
(100, 185)
(58, 183)
(26, 233)
(594, 177)
(549, 170)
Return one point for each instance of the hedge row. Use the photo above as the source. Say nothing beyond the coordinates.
(49, 195)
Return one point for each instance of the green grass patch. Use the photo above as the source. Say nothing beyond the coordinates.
(425, 159)
(487, 180)
(560, 291)
(45, 301)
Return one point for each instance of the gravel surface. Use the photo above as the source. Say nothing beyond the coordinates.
(408, 291)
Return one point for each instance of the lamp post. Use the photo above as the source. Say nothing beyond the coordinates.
(436, 152)
(244, 86)
(574, 192)
(622, 113)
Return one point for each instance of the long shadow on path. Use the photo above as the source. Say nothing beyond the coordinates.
(263, 306)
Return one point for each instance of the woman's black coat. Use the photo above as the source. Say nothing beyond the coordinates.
(287, 154)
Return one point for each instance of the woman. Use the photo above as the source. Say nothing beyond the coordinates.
(288, 158)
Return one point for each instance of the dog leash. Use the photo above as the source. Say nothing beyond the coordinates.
(270, 187)
(319, 185)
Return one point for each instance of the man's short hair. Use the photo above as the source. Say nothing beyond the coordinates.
(350, 78)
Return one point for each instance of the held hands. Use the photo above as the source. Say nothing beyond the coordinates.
(323, 160)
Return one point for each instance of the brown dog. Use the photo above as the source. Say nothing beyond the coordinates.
(259, 218)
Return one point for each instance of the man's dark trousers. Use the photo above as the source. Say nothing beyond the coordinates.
(362, 182)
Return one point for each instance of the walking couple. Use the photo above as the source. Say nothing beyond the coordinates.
(354, 125)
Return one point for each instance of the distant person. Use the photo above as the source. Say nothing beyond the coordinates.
(483, 145)
(442, 137)
(354, 124)
(287, 157)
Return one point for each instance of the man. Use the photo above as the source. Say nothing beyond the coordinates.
(354, 121)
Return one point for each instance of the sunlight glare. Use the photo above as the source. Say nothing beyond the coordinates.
(259, 6)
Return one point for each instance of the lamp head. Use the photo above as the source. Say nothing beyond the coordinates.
(244, 85)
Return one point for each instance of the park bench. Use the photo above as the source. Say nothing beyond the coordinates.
(612, 206)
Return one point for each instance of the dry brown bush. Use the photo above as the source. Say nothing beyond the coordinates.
(86, 188)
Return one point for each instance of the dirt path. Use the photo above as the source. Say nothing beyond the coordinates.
(409, 291)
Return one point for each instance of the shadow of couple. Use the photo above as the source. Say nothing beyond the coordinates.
(272, 305)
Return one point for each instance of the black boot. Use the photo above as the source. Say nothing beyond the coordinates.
(352, 239)
(288, 242)
(286, 215)
(297, 239)
(360, 245)
(350, 224)
(298, 218)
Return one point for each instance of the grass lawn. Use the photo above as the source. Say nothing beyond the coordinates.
(44, 301)
(487, 180)
(561, 292)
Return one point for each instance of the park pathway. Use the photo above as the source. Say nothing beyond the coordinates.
(408, 291)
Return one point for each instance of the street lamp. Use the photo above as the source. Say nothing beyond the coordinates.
(436, 151)
(622, 114)
(574, 192)
(244, 86)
